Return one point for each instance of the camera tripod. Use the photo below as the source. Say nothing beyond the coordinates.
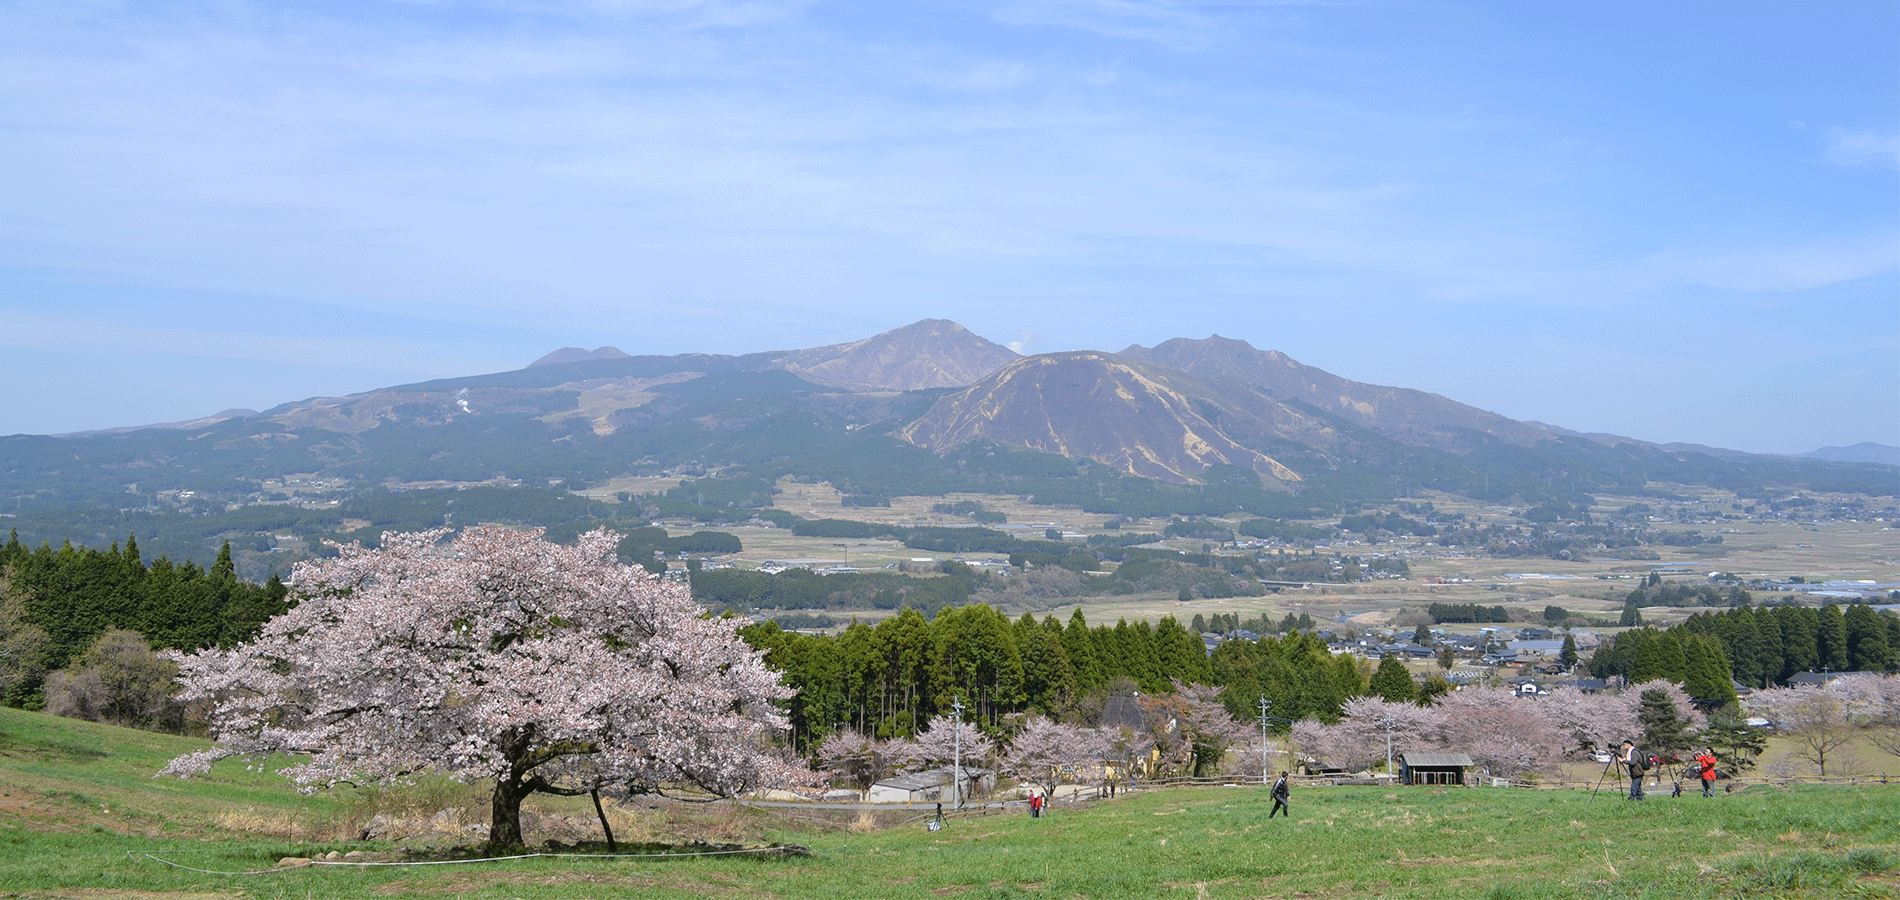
(1675, 770)
(1607, 766)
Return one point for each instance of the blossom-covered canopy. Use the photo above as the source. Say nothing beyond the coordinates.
(496, 655)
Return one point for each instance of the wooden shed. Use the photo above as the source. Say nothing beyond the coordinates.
(1433, 768)
(929, 785)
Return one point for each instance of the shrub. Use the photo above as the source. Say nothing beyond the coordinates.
(119, 680)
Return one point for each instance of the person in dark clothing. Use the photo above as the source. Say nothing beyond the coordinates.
(1280, 793)
(1637, 764)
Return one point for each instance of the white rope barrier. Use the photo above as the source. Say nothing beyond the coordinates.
(340, 863)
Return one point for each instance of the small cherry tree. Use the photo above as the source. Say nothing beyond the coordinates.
(1814, 718)
(1191, 729)
(862, 759)
(498, 656)
(1873, 702)
(1044, 748)
(944, 742)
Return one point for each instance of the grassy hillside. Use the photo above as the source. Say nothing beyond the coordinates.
(79, 810)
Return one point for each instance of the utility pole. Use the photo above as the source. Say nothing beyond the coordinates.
(956, 748)
(1388, 744)
(1265, 705)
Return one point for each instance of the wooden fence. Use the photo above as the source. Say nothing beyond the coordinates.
(1614, 781)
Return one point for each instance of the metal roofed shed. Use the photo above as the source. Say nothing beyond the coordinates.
(1433, 768)
(929, 785)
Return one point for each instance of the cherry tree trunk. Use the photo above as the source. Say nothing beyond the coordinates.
(504, 826)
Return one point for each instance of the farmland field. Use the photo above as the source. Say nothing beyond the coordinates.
(1750, 548)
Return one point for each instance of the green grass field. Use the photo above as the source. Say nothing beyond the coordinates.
(80, 813)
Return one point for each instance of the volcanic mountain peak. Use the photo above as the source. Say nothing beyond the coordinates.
(576, 354)
(1403, 414)
(1133, 416)
(931, 353)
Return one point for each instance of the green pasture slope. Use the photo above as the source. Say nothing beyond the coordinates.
(79, 811)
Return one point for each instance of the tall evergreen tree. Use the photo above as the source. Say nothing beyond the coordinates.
(1078, 643)
(1145, 658)
(1664, 726)
(224, 569)
(1830, 640)
(1183, 656)
(1768, 652)
(1706, 672)
(906, 643)
(974, 656)
(1392, 682)
(1867, 649)
(1653, 656)
(1798, 642)
(1048, 682)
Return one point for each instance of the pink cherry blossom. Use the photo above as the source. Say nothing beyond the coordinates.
(1045, 751)
(496, 655)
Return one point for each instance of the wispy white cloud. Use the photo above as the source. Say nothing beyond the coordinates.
(1178, 25)
(1782, 268)
(92, 335)
(1862, 148)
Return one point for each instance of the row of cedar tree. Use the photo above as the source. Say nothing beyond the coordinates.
(892, 678)
(75, 594)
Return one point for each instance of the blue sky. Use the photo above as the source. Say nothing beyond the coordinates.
(1677, 222)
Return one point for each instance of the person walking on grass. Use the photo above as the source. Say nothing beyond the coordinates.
(1280, 793)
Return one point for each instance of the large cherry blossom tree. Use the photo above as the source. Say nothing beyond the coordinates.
(496, 655)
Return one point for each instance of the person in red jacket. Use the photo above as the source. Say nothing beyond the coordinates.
(1705, 766)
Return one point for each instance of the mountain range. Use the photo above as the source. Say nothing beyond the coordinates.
(1167, 412)
(928, 408)
(1161, 412)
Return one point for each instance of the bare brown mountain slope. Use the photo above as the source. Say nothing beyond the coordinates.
(1134, 416)
(1402, 414)
(931, 353)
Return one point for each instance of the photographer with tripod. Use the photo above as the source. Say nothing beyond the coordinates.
(1637, 763)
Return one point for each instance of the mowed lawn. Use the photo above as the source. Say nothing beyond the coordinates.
(81, 813)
